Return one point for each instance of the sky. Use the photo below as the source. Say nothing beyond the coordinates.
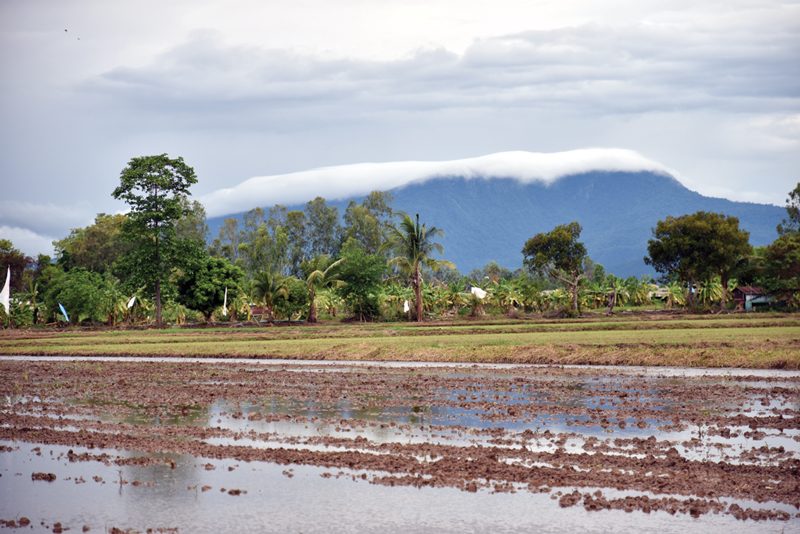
(247, 88)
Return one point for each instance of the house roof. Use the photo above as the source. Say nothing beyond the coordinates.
(751, 290)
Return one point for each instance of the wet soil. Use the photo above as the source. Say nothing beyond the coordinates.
(595, 439)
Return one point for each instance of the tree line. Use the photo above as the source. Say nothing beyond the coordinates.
(153, 264)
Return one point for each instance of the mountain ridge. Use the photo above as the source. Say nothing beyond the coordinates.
(490, 219)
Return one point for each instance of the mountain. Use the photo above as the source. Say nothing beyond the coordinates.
(490, 217)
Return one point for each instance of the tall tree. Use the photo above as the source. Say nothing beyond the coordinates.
(792, 222)
(560, 256)
(154, 187)
(413, 245)
(226, 243)
(370, 221)
(192, 224)
(296, 241)
(781, 272)
(695, 248)
(323, 229)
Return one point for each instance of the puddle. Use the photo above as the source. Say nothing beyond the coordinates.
(293, 499)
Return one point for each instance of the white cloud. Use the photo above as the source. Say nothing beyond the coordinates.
(45, 217)
(28, 241)
(345, 181)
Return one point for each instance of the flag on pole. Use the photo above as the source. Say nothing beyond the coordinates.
(5, 294)
(131, 302)
(225, 304)
(63, 311)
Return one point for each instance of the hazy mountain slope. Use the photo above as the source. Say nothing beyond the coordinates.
(490, 219)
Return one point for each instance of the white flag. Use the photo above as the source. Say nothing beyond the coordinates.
(5, 295)
(225, 304)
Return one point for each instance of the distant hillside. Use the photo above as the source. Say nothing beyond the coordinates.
(488, 219)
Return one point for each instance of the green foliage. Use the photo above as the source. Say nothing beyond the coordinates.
(320, 272)
(369, 222)
(95, 247)
(293, 305)
(155, 188)
(17, 261)
(361, 274)
(264, 241)
(696, 248)
(192, 224)
(226, 243)
(413, 245)
(83, 293)
(781, 273)
(322, 228)
(202, 285)
(559, 255)
(792, 222)
(269, 288)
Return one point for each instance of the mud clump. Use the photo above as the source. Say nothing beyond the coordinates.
(46, 477)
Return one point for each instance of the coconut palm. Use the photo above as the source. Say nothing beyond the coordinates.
(413, 245)
(268, 288)
(320, 273)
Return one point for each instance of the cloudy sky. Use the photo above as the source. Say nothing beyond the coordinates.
(246, 88)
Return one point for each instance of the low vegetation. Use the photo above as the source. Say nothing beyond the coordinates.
(770, 341)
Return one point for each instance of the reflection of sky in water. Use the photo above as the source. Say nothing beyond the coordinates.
(304, 503)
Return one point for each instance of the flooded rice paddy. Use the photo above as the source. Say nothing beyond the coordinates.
(221, 445)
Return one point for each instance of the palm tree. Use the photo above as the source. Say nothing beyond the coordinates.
(413, 245)
(321, 274)
(268, 287)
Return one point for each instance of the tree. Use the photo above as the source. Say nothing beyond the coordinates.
(296, 239)
(792, 222)
(560, 256)
(11, 257)
(413, 245)
(370, 221)
(781, 272)
(154, 187)
(322, 227)
(361, 274)
(202, 286)
(320, 272)
(227, 242)
(695, 248)
(95, 247)
(83, 293)
(192, 224)
(268, 288)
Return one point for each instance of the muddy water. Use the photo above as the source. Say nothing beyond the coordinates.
(307, 447)
(306, 502)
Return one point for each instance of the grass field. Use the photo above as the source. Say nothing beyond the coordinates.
(769, 341)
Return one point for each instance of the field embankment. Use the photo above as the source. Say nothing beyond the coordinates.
(693, 341)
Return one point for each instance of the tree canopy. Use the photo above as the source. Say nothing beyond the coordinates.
(413, 245)
(155, 188)
(697, 247)
(558, 255)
